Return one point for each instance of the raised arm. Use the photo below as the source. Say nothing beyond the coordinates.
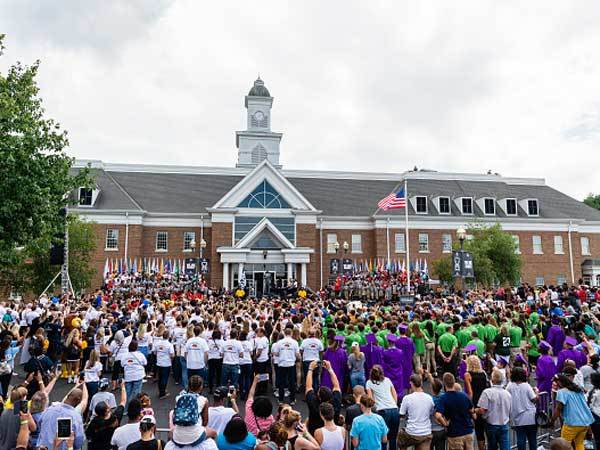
(123, 400)
(309, 376)
(253, 388)
(334, 379)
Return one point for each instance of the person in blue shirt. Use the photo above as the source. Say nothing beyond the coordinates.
(571, 404)
(369, 430)
(235, 436)
(49, 420)
(455, 411)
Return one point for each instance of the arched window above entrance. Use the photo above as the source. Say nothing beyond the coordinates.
(264, 196)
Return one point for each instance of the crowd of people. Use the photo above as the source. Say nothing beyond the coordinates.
(375, 373)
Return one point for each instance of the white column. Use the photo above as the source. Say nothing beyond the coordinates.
(226, 275)
(290, 273)
(303, 275)
(240, 271)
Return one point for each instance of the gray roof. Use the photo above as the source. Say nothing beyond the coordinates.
(194, 193)
(259, 89)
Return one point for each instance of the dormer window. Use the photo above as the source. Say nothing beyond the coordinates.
(532, 207)
(467, 205)
(489, 207)
(511, 206)
(421, 205)
(444, 205)
(87, 196)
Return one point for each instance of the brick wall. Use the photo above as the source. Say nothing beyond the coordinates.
(142, 241)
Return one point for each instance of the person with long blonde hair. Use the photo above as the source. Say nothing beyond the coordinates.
(298, 437)
(476, 382)
(92, 372)
(73, 346)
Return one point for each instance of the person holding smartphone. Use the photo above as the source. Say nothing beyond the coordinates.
(259, 411)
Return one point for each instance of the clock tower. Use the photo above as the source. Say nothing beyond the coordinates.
(258, 142)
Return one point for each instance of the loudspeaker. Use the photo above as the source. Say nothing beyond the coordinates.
(57, 251)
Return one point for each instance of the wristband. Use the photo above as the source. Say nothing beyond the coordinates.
(24, 422)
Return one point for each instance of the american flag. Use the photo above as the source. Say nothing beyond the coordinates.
(395, 200)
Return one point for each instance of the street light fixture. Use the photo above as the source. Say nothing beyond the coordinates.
(336, 246)
(461, 233)
(202, 247)
(346, 247)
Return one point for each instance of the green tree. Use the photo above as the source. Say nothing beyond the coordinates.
(442, 270)
(82, 244)
(592, 200)
(34, 169)
(494, 255)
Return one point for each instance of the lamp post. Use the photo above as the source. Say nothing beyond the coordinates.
(336, 246)
(346, 247)
(461, 234)
(202, 247)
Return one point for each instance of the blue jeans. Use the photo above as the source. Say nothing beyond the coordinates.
(200, 372)
(92, 388)
(287, 380)
(230, 375)
(163, 379)
(246, 376)
(357, 378)
(391, 418)
(497, 437)
(184, 371)
(133, 388)
(526, 433)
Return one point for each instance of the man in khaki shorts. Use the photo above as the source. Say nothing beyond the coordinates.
(418, 408)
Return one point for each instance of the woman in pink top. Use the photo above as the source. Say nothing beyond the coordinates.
(259, 412)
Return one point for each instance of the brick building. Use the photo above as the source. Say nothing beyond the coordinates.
(266, 224)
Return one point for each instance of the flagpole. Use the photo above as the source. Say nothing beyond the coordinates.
(388, 240)
(406, 232)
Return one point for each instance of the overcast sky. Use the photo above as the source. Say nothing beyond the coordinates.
(510, 86)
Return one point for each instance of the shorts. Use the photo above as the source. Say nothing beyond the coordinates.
(461, 442)
(406, 440)
(116, 370)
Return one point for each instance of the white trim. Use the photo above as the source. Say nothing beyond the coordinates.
(332, 174)
(524, 204)
(413, 202)
(436, 202)
(481, 203)
(264, 171)
(263, 224)
(458, 201)
(348, 225)
(503, 206)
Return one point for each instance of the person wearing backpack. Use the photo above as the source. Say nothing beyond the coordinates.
(188, 431)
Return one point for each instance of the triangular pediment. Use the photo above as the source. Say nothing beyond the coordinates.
(263, 174)
(263, 231)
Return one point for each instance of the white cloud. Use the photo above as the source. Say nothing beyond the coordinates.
(468, 87)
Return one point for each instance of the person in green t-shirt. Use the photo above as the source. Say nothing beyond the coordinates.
(477, 343)
(447, 352)
(463, 335)
(418, 338)
(532, 353)
(516, 335)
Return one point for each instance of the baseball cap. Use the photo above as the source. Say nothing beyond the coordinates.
(148, 419)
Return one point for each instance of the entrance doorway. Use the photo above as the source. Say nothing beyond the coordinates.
(263, 280)
(264, 284)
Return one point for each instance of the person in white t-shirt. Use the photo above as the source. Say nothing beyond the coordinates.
(261, 349)
(134, 364)
(196, 354)
(164, 355)
(218, 414)
(130, 432)
(92, 372)
(215, 359)
(288, 353)
(246, 373)
(418, 408)
(311, 350)
(232, 353)
(118, 348)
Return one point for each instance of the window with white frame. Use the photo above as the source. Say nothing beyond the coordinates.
(446, 243)
(517, 242)
(331, 240)
(444, 205)
(467, 205)
(489, 206)
(162, 241)
(537, 245)
(532, 207)
(421, 204)
(400, 243)
(423, 242)
(511, 206)
(561, 279)
(558, 245)
(356, 243)
(539, 281)
(86, 196)
(585, 245)
(112, 239)
(188, 237)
